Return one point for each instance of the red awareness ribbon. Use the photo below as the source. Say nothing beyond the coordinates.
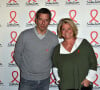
(96, 80)
(94, 39)
(97, 56)
(11, 1)
(13, 38)
(78, 50)
(13, 18)
(32, 18)
(30, 1)
(47, 50)
(93, 17)
(52, 80)
(54, 32)
(12, 57)
(53, 0)
(52, 18)
(70, 14)
(69, 0)
(15, 77)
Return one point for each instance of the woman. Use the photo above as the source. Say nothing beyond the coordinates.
(74, 61)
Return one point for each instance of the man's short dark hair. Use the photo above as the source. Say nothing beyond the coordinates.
(44, 11)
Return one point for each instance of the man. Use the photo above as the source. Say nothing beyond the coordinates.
(33, 52)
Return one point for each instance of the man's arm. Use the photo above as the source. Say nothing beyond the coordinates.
(19, 50)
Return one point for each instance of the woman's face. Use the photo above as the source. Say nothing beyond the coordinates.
(67, 31)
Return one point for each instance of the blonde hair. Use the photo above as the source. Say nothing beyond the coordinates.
(70, 22)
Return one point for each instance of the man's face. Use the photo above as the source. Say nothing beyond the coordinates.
(42, 22)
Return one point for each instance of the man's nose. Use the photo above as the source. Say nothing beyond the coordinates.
(43, 22)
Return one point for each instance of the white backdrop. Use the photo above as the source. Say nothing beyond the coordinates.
(18, 15)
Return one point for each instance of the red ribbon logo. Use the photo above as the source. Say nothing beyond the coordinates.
(15, 77)
(52, 18)
(69, 0)
(97, 56)
(51, 78)
(54, 32)
(72, 17)
(30, 1)
(12, 57)
(47, 50)
(32, 18)
(11, 1)
(13, 38)
(93, 17)
(53, 0)
(94, 39)
(96, 80)
(78, 51)
(13, 17)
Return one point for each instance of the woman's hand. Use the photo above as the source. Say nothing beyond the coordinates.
(58, 82)
(85, 83)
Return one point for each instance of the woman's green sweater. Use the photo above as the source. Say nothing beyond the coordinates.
(73, 68)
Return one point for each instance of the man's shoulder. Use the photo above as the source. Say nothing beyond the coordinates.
(27, 31)
(52, 34)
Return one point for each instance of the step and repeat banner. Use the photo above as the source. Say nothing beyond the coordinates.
(18, 15)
